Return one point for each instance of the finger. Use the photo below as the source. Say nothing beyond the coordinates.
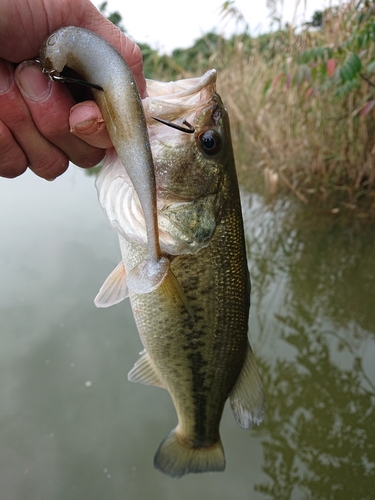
(13, 161)
(43, 157)
(87, 122)
(41, 20)
(49, 104)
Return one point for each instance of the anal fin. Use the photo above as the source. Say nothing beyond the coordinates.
(144, 373)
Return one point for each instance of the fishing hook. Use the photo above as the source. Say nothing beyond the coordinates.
(55, 77)
(66, 79)
(189, 129)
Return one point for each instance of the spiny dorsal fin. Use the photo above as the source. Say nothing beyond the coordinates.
(246, 397)
(114, 289)
(144, 373)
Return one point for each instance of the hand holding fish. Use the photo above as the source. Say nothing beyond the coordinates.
(34, 114)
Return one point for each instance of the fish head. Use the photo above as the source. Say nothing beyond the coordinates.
(190, 166)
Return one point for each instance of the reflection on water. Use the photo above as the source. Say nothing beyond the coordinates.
(71, 425)
(315, 319)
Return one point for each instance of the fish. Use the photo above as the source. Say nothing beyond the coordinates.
(200, 354)
(193, 324)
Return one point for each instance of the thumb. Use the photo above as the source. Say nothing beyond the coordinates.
(87, 123)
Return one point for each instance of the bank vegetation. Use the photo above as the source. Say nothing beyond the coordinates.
(301, 101)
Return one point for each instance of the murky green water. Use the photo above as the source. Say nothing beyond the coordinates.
(73, 428)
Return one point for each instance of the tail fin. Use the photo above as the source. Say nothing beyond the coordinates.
(176, 458)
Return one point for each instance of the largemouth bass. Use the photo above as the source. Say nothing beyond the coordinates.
(194, 324)
(199, 353)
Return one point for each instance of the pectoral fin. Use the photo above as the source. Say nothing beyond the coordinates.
(114, 289)
(144, 372)
(176, 292)
(246, 397)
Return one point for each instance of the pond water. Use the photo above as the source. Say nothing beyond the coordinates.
(73, 428)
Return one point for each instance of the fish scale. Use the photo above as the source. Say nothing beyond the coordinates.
(213, 345)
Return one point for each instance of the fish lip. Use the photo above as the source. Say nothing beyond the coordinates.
(177, 101)
(162, 90)
(174, 101)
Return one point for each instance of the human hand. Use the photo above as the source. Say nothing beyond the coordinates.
(34, 112)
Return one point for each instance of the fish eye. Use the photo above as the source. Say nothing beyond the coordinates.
(210, 141)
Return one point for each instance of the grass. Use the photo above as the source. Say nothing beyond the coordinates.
(295, 122)
(301, 102)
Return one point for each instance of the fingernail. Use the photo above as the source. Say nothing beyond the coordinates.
(85, 120)
(79, 123)
(31, 81)
(5, 79)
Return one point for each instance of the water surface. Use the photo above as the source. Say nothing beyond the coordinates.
(73, 428)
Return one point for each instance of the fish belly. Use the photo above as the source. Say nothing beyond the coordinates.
(197, 354)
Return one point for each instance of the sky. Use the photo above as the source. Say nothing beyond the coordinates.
(168, 24)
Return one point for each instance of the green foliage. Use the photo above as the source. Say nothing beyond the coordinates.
(114, 17)
(199, 55)
(159, 67)
(322, 95)
(301, 102)
(351, 62)
(317, 20)
(191, 61)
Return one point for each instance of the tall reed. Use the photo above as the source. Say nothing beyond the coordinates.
(293, 119)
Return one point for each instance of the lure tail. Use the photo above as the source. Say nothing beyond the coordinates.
(147, 276)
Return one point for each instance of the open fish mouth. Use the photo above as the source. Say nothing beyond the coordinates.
(177, 101)
(187, 220)
(187, 88)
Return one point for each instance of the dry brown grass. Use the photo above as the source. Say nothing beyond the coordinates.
(299, 134)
